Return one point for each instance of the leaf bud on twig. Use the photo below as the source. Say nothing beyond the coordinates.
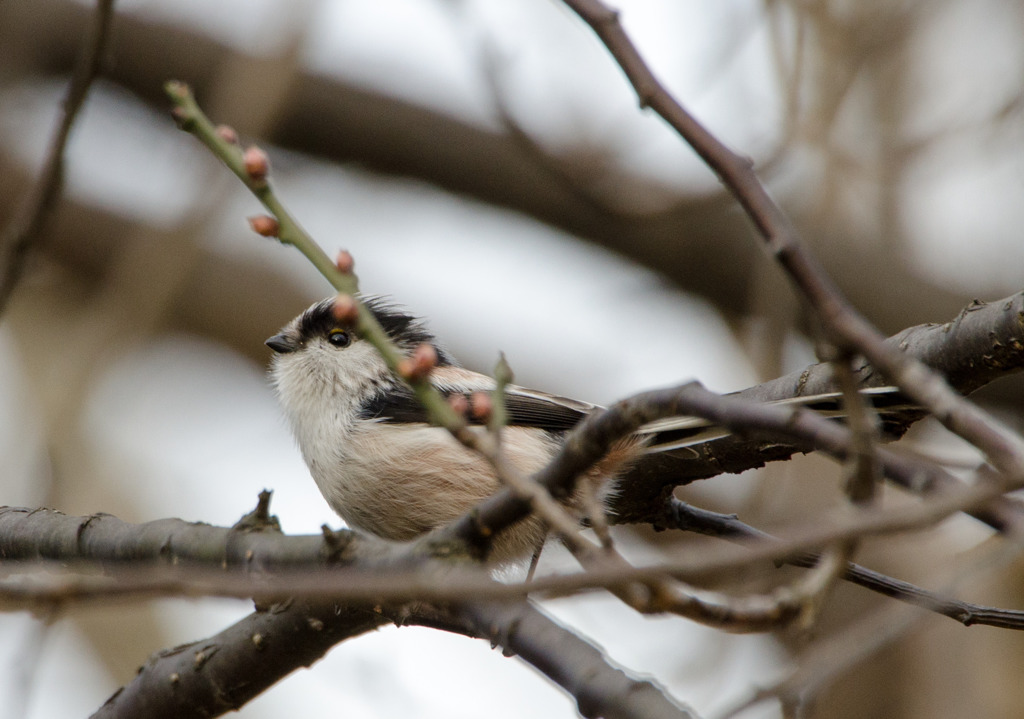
(459, 404)
(264, 225)
(419, 364)
(257, 164)
(227, 134)
(483, 406)
(345, 310)
(345, 262)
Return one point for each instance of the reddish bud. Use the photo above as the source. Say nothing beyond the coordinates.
(257, 164)
(483, 406)
(425, 355)
(264, 225)
(345, 262)
(227, 134)
(176, 89)
(345, 310)
(459, 403)
(182, 118)
(420, 364)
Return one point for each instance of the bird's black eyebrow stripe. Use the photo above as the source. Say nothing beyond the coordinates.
(317, 320)
(399, 405)
(404, 329)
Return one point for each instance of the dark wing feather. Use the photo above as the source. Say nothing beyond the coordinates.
(399, 405)
(550, 412)
(525, 408)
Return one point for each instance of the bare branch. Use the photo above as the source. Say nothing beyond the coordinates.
(600, 690)
(680, 515)
(827, 658)
(981, 344)
(219, 674)
(114, 559)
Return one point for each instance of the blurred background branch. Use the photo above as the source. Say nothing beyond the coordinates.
(694, 239)
(23, 229)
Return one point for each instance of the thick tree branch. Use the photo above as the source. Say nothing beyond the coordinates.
(27, 534)
(578, 667)
(219, 674)
(983, 343)
(201, 560)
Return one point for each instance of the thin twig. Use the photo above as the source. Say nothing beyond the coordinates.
(825, 659)
(680, 515)
(289, 231)
(488, 446)
(861, 468)
(863, 476)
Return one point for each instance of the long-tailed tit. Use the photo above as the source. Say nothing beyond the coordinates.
(381, 465)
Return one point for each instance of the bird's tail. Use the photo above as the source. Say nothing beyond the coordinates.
(680, 432)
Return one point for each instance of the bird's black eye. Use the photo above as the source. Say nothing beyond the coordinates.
(339, 338)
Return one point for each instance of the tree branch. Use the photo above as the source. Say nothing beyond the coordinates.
(579, 668)
(219, 674)
(982, 344)
(42, 568)
(680, 515)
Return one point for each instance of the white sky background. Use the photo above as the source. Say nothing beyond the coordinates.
(208, 437)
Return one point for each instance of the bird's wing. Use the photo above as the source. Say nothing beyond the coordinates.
(525, 407)
(532, 408)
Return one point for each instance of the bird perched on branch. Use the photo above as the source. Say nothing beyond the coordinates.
(382, 466)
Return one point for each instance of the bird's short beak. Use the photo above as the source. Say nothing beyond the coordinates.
(282, 343)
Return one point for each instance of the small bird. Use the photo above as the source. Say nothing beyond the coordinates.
(386, 470)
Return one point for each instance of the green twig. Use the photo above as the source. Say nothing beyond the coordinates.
(194, 121)
(220, 142)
